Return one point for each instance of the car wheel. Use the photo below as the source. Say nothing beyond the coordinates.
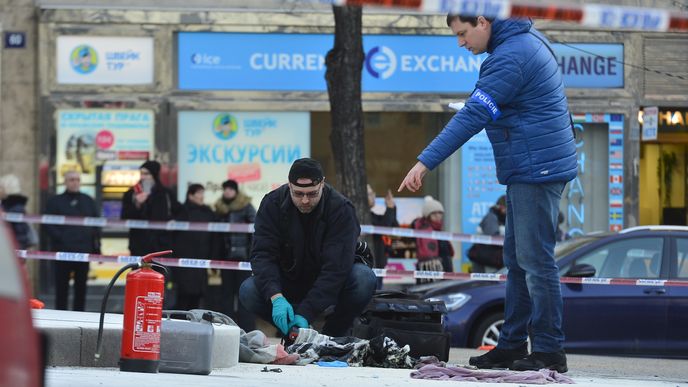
(487, 331)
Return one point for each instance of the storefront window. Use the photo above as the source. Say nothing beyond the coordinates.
(393, 140)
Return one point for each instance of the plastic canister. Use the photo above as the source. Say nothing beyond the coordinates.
(186, 345)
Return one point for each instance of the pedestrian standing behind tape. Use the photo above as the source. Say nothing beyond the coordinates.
(489, 258)
(388, 219)
(235, 207)
(75, 239)
(192, 282)
(12, 200)
(149, 200)
(432, 254)
(519, 100)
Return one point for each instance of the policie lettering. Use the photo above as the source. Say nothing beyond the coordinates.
(488, 102)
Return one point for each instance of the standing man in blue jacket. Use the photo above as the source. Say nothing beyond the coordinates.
(519, 100)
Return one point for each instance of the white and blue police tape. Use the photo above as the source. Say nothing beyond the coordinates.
(246, 266)
(173, 225)
(603, 16)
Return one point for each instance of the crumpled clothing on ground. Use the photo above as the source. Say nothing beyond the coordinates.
(313, 346)
(386, 353)
(254, 346)
(378, 352)
(425, 360)
(543, 376)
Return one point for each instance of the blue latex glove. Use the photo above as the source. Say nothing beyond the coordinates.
(335, 363)
(299, 321)
(282, 313)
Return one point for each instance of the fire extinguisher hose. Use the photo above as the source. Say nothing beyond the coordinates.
(104, 304)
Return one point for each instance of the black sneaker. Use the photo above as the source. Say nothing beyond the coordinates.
(539, 360)
(499, 358)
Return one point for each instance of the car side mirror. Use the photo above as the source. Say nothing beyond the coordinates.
(581, 270)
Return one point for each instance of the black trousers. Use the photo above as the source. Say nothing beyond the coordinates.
(63, 272)
(229, 301)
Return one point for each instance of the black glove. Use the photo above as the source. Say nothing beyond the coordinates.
(363, 255)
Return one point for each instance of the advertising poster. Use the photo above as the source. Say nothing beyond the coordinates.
(254, 148)
(650, 123)
(100, 60)
(89, 137)
(479, 185)
(593, 201)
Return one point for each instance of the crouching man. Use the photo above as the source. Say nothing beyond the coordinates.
(303, 256)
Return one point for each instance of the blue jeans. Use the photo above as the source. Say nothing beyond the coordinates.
(533, 291)
(353, 298)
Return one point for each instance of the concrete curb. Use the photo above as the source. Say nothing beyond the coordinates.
(72, 338)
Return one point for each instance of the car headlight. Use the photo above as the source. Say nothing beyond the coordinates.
(452, 301)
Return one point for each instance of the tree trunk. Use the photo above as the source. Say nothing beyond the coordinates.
(344, 65)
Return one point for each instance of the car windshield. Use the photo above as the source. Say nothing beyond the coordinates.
(565, 247)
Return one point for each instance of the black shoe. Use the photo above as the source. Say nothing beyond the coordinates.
(499, 358)
(539, 360)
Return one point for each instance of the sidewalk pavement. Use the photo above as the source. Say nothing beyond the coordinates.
(585, 370)
(250, 375)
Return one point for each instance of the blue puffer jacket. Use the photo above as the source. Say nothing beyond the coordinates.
(519, 99)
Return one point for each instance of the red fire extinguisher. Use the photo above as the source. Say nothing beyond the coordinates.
(143, 297)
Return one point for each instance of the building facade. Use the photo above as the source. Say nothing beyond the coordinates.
(226, 92)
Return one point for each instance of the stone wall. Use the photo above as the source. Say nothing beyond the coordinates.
(18, 128)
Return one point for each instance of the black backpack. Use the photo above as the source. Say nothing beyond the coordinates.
(407, 320)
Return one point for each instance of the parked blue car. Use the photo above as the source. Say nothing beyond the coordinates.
(610, 319)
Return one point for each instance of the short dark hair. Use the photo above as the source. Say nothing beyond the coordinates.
(193, 188)
(473, 20)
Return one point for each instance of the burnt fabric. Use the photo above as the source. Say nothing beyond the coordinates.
(379, 352)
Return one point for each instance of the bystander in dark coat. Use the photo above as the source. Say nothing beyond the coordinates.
(12, 200)
(191, 283)
(149, 200)
(74, 239)
(235, 207)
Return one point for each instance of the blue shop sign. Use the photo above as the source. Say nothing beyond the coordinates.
(296, 62)
(591, 65)
(393, 63)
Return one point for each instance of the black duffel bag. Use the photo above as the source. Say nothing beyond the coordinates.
(406, 320)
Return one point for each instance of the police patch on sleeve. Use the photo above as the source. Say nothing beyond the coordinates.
(487, 101)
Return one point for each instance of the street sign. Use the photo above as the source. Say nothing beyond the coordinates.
(15, 39)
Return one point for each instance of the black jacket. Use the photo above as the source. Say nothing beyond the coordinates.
(78, 239)
(193, 244)
(23, 233)
(161, 205)
(309, 274)
(235, 245)
(388, 219)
